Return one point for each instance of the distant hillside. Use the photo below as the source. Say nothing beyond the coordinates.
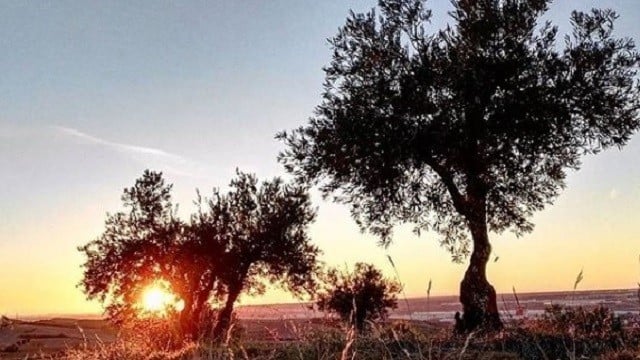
(618, 300)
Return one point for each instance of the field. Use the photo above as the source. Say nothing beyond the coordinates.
(287, 326)
(51, 337)
(442, 308)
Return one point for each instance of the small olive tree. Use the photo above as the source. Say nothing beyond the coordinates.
(144, 243)
(251, 234)
(263, 230)
(358, 296)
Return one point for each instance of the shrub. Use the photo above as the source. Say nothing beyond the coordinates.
(565, 332)
(359, 296)
(599, 324)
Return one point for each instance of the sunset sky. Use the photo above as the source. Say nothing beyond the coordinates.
(93, 93)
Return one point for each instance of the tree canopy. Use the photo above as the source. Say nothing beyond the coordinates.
(239, 239)
(468, 130)
(264, 231)
(143, 243)
(359, 296)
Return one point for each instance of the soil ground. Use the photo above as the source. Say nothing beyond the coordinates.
(283, 322)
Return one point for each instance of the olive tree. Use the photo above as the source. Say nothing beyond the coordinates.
(254, 233)
(468, 130)
(144, 243)
(263, 228)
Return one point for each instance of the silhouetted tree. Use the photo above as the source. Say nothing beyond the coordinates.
(466, 131)
(146, 243)
(358, 296)
(249, 235)
(263, 229)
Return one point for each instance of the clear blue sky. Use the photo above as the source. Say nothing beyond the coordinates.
(92, 93)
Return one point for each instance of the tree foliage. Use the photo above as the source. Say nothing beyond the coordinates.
(235, 243)
(359, 296)
(468, 130)
(144, 243)
(263, 227)
(410, 123)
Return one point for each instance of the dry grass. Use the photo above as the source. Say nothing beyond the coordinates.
(561, 334)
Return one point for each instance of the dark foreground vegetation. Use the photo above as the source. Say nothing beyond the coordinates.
(559, 334)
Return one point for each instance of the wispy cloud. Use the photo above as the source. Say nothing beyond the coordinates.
(150, 156)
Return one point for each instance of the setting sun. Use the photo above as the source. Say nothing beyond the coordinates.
(157, 299)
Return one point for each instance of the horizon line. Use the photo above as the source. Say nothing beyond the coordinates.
(94, 316)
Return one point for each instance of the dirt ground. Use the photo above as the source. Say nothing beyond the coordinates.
(283, 322)
(52, 337)
(19, 338)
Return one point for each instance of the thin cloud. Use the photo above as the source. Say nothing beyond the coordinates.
(613, 194)
(118, 146)
(174, 163)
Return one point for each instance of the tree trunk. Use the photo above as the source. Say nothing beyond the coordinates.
(187, 328)
(190, 319)
(478, 297)
(224, 316)
(194, 300)
(200, 302)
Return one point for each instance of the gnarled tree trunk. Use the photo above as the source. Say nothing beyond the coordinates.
(478, 297)
(224, 316)
(194, 299)
(187, 323)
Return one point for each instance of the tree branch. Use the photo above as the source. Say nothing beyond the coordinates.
(459, 201)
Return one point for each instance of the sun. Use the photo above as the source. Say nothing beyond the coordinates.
(157, 299)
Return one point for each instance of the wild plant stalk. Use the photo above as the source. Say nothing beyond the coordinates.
(638, 283)
(349, 340)
(350, 337)
(404, 294)
(504, 304)
(466, 345)
(84, 337)
(572, 354)
(506, 310)
(575, 285)
(515, 295)
(428, 302)
(378, 335)
(537, 343)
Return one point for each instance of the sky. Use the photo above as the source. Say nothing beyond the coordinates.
(92, 93)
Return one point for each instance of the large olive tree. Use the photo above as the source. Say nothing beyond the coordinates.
(466, 131)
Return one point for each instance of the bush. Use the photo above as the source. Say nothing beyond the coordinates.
(599, 323)
(565, 332)
(358, 297)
